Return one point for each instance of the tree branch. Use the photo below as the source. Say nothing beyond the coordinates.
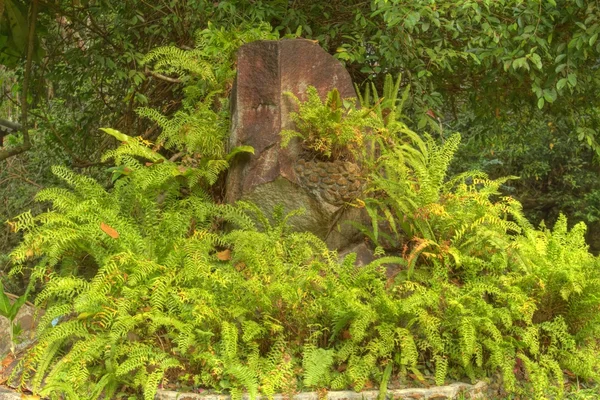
(161, 76)
(4, 154)
(15, 126)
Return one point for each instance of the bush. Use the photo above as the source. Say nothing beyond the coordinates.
(143, 285)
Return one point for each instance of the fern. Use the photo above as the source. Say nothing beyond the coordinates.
(317, 364)
(329, 129)
(142, 283)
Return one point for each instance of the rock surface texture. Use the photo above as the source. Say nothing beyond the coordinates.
(287, 176)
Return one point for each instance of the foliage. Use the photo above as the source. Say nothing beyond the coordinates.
(146, 287)
(211, 62)
(10, 310)
(557, 175)
(165, 295)
(336, 128)
(480, 262)
(202, 125)
(388, 109)
(328, 129)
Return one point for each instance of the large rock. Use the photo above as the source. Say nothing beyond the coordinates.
(273, 175)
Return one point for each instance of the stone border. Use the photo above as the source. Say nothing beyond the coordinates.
(476, 391)
(6, 394)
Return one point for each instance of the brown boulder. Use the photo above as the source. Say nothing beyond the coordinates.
(275, 175)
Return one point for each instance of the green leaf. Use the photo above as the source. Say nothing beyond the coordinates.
(541, 103)
(238, 150)
(521, 63)
(572, 78)
(14, 310)
(6, 309)
(117, 135)
(17, 24)
(4, 303)
(412, 19)
(536, 60)
(593, 39)
(550, 95)
(561, 83)
(384, 381)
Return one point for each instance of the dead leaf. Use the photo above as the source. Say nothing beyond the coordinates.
(569, 373)
(7, 360)
(12, 226)
(29, 397)
(109, 230)
(224, 255)
(240, 267)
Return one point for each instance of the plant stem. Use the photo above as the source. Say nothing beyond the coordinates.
(4, 154)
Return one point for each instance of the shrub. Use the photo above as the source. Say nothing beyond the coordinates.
(143, 285)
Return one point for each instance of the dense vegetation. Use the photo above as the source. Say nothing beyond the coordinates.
(142, 283)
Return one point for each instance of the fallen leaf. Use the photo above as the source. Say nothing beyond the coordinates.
(569, 373)
(240, 266)
(7, 360)
(5, 363)
(12, 226)
(224, 255)
(109, 230)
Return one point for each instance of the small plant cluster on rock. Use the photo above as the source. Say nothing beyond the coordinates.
(331, 130)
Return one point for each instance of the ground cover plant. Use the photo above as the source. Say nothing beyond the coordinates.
(151, 281)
